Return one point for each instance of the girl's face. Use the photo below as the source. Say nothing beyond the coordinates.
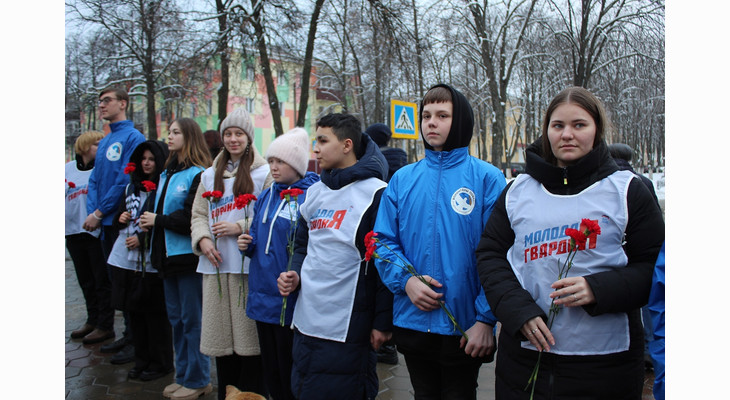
(175, 140)
(282, 172)
(90, 154)
(235, 141)
(148, 162)
(571, 133)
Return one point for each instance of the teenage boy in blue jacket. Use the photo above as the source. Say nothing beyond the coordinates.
(431, 216)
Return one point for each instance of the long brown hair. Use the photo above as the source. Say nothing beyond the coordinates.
(583, 99)
(242, 183)
(195, 150)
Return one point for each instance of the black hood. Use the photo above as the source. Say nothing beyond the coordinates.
(462, 123)
(594, 166)
(159, 150)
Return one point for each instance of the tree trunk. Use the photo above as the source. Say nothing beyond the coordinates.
(266, 68)
(307, 68)
(224, 58)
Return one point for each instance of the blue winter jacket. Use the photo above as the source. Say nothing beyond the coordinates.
(107, 181)
(432, 215)
(268, 252)
(656, 307)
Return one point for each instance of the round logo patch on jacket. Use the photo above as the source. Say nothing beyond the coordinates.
(462, 201)
(114, 152)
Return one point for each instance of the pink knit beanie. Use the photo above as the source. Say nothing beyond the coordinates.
(241, 119)
(292, 148)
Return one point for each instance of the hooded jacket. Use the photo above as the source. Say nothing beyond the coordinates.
(326, 368)
(268, 251)
(431, 216)
(616, 290)
(134, 188)
(107, 181)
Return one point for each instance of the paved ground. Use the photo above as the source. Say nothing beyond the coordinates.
(90, 375)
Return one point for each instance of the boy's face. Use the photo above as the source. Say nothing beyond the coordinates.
(330, 151)
(436, 123)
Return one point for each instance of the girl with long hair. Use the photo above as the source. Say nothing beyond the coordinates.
(172, 255)
(228, 334)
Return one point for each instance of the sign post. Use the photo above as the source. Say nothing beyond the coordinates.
(404, 119)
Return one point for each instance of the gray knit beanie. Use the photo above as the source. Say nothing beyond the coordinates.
(240, 119)
(292, 148)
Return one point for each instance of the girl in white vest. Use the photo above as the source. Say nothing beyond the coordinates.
(136, 286)
(227, 333)
(83, 246)
(593, 349)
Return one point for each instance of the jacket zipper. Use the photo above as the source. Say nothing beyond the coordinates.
(565, 176)
(435, 212)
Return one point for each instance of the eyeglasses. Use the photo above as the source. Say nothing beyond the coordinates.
(107, 100)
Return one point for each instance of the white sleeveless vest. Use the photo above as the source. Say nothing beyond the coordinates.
(76, 200)
(331, 268)
(225, 210)
(539, 219)
(122, 257)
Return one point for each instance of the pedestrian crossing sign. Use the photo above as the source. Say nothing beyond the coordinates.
(404, 120)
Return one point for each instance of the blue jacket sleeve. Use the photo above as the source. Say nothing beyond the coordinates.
(390, 257)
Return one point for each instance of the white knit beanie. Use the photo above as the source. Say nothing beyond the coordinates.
(240, 119)
(292, 148)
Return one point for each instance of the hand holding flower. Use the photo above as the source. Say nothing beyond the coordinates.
(132, 242)
(225, 228)
(207, 247)
(147, 220)
(287, 282)
(125, 217)
(243, 241)
(538, 333)
(572, 292)
(481, 340)
(422, 296)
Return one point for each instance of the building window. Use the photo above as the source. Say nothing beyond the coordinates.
(283, 77)
(250, 72)
(193, 110)
(250, 105)
(210, 106)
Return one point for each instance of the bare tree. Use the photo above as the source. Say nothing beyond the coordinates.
(149, 35)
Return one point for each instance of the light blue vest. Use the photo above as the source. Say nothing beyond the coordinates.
(177, 191)
(539, 219)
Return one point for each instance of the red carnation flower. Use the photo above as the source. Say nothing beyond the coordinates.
(71, 184)
(592, 226)
(130, 168)
(243, 200)
(578, 237)
(149, 186)
(294, 193)
(216, 194)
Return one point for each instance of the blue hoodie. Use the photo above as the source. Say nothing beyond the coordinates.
(107, 181)
(432, 215)
(268, 252)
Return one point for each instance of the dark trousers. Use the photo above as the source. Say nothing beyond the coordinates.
(152, 339)
(275, 342)
(438, 368)
(243, 372)
(91, 271)
(108, 237)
